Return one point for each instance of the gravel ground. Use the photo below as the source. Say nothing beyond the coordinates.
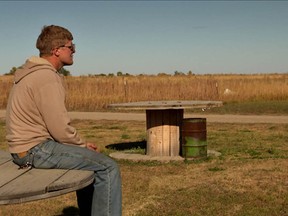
(283, 119)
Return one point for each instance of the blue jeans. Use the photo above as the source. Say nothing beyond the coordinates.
(104, 197)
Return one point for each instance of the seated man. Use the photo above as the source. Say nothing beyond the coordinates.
(39, 133)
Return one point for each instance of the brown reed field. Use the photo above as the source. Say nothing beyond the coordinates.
(92, 93)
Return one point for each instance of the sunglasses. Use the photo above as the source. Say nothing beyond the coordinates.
(72, 47)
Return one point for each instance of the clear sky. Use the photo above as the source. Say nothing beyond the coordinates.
(151, 37)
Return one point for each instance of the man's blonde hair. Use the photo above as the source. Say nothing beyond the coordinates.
(52, 37)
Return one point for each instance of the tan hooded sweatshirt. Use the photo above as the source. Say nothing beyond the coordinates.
(36, 108)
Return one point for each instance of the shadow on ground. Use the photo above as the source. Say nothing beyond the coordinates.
(127, 146)
(70, 211)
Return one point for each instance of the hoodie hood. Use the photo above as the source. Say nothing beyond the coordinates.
(33, 64)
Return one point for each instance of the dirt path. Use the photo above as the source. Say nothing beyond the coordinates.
(210, 117)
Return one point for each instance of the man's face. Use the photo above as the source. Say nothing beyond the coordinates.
(66, 53)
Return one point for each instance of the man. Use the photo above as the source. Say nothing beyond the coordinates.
(39, 133)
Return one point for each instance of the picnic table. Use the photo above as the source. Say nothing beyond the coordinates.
(163, 121)
(23, 185)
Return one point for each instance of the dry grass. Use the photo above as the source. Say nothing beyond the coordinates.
(6, 83)
(95, 93)
(250, 178)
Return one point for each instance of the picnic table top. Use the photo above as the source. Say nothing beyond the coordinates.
(23, 185)
(166, 104)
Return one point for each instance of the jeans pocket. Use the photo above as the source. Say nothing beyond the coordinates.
(24, 162)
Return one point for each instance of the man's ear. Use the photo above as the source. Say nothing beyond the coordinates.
(55, 52)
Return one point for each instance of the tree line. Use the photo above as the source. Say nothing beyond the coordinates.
(62, 71)
(65, 72)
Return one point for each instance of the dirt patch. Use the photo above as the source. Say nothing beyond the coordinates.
(210, 117)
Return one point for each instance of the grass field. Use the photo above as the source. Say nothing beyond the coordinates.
(250, 178)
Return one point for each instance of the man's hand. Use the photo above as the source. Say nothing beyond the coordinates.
(92, 147)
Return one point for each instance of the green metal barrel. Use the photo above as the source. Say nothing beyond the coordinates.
(194, 138)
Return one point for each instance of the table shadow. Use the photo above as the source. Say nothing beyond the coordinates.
(127, 145)
(70, 211)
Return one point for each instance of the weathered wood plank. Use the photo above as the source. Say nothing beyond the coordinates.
(18, 186)
(8, 172)
(5, 156)
(71, 179)
(148, 125)
(163, 135)
(166, 142)
(154, 132)
(158, 131)
(30, 183)
(175, 123)
(59, 187)
(181, 104)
